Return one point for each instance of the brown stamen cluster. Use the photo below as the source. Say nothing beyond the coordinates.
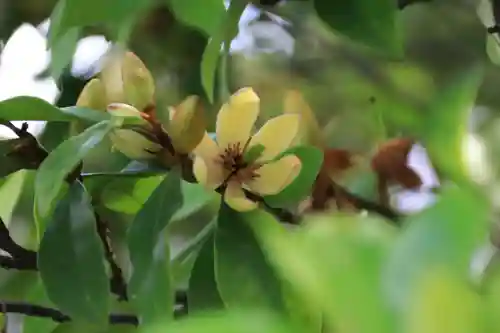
(233, 161)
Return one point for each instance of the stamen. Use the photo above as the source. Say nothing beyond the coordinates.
(232, 160)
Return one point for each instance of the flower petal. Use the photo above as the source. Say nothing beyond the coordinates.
(276, 135)
(236, 199)
(207, 173)
(275, 176)
(236, 118)
(207, 148)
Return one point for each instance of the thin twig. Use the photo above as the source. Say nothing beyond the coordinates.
(117, 283)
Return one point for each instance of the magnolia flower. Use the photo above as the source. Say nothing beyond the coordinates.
(239, 161)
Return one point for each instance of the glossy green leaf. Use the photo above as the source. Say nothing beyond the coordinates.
(26, 108)
(443, 236)
(203, 294)
(372, 23)
(244, 276)
(128, 194)
(82, 13)
(445, 123)
(71, 260)
(312, 159)
(11, 161)
(224, 34)
(443, 303)
(184, 259)
(150, 284)
(53, 171)
(63, 50)
(207, 20)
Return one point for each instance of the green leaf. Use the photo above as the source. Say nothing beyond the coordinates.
(312, 159)
(61, 161)
(128, 194)
(150, 283)
(63, 50)
(445, 123)
(183, 261)
(244, 277)
(227, 322)
(443, 303)
(205, 15)
(26, 108)
(334, 262)
(203, 294)
(443, 236)
(71, 260)
(225, 33)
(82, 13)
(372, 23)
(493, 49)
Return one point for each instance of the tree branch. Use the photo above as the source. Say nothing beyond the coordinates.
(402, 4)
(56, 315)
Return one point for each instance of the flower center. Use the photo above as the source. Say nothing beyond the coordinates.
(233, 162)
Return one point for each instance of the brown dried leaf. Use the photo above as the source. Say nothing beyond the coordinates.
(390, 163)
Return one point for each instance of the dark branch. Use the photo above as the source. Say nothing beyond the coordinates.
(56, 315)
(404, 3)
(117, 283)
(19, 257)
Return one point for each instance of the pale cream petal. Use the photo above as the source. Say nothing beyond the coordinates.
(236, 199)
(275, 176)
(237, 117)
(207, 173)
(207, 148)
(276, 135)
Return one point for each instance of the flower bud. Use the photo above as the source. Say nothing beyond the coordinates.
(310, 131)
(133, 144)
(127, 113)
(111, 78)
(138, 83)
(187, 124)
(92, 96)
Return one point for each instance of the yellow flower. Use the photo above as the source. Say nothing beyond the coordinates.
(226, 161)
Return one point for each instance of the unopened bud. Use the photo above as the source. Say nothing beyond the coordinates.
(134, 145)
(187, 124)
(111, 77)
(129, 114)
(310, 131)
(138, 83)
(92, 96)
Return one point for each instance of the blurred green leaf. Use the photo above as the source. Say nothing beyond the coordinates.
(82, 13)
(373, 23)
(493, 49)
(71, 260)
(191, 13)
(443, 303)
(445, 123)
(203, 293)
(26, 108)
(150, 284)
(312, 159)
(227, 30)
(61, 161)
(243, 274)
(128, 194)
(334, 262)
(227, 322)
(443, 236)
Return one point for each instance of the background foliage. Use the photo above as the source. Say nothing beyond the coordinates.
(119, 242)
